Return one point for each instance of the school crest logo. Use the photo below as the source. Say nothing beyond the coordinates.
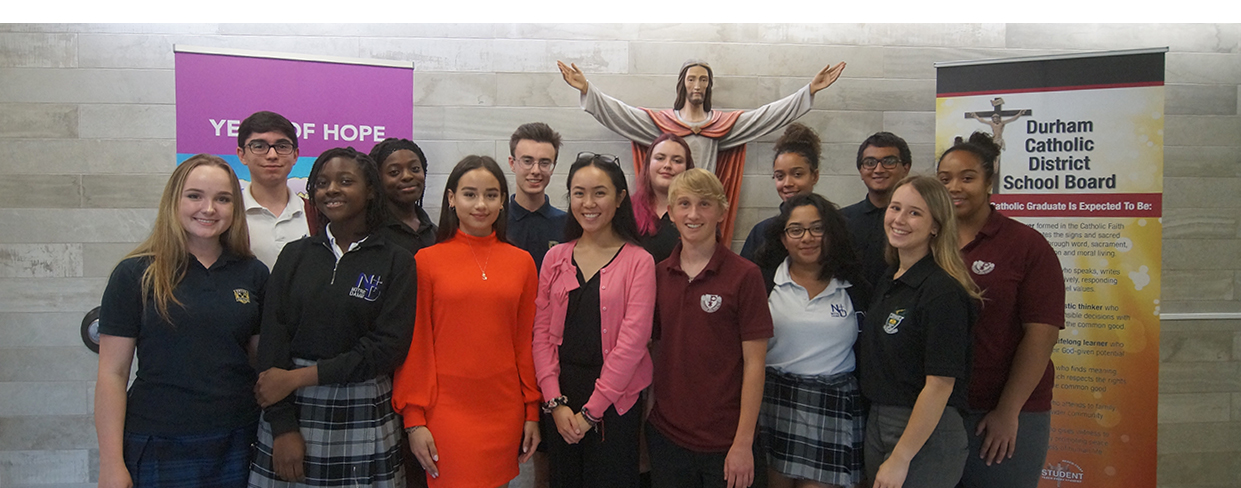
(551, 244)
(982, 267)
(711, 303)
(367, 287)
(242, 295)
(894, 321)
(838, 310)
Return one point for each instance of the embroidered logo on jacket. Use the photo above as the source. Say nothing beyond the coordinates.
(711, 303)
(982, 267)
(894, 321)
(367, 287)
(242, 295)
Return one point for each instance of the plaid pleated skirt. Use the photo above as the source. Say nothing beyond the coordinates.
(218, 460)
(353, 437)
(813, 427)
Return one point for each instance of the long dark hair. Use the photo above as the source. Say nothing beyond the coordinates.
(683, 94)
(623, 222)
(838, 260)
(448, 217)
(376, 208)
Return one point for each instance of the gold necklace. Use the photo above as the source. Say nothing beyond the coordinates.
(481, 267)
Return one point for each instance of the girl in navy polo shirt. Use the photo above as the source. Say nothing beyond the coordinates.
(914, 349)
(188, 299)
(339, 322)
(1009, 420)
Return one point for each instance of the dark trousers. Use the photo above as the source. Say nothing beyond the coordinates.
(673, 466)
(606, 457)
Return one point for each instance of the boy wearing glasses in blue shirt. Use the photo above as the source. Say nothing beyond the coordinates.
(534, 225)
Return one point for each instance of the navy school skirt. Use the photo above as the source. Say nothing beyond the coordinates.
(203, 460)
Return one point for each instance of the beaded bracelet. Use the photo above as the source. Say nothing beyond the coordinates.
(555, 402)
(590, 418)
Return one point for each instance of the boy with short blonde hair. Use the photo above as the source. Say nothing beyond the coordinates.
(711, 329)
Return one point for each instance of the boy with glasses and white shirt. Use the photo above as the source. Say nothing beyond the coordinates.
(267, 145)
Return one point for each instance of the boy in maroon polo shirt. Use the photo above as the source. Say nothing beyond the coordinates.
(712, 325)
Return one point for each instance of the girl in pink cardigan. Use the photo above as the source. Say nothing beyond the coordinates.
(594, 309)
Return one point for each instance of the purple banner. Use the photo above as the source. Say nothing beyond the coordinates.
(332, 104)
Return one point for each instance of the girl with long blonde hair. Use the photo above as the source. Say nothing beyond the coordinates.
(914, 354)
(188, 301)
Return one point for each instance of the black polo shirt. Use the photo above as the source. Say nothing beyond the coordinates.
(194, 374)
(397, 232)
(865, 223)
(918, 325)
(663, 241)
(535, 232)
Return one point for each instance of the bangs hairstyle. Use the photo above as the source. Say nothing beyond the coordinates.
(981, 145)
(801, 140)
(837, 260)
(623, 223)
(683, 94)
(376, 208)
(166, 246)
(886, 139)
(701, 183)
(944, 245)
(449, 223)
(381, 151)
(643, 194)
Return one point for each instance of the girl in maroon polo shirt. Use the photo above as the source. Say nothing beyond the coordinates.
(1011, 381)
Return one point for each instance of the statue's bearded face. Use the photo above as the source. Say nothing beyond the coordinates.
(696, 82)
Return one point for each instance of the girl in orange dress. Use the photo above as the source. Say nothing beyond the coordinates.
(467, 390)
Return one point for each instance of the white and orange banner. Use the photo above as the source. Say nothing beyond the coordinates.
(1082, 163)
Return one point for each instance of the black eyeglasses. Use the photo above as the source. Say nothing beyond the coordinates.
(283, 148)
(798, 232)
(603, 158)
(888, 162)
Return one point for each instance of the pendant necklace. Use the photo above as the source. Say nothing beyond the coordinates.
(481, 267)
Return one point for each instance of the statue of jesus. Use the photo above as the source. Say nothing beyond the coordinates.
(716, 139)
